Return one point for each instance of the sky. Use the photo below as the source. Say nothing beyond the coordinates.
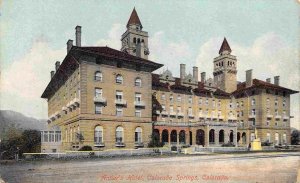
(264, 35)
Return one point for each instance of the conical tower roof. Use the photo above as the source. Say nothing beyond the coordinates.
(134, 19)
(225, 46)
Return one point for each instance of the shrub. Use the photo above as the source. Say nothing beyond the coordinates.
(154, 142)
(85, 148)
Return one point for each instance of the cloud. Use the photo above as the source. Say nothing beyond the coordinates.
(113, 39)
(24, 81)
(171, 54)
(268, 56)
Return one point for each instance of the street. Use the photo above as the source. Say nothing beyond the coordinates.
(254, 167)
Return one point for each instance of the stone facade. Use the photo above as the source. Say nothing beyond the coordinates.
(108, 99)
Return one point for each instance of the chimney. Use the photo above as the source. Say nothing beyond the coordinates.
(182, 72)
(78, 35)
(69, 45)
(276, 80)
(203, 75)
(268, 80)
(52, 74)
(57, 64)
(195, 73)
(249, 78)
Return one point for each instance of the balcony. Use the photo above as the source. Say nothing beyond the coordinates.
(64, 109)
(191, 115)
(121, 102)
(164, 113)
(138, 144)
(269, 116)
(202, 116)
(180, 114)
(76, 101)
(157, 112)
(252, 116)
(100, 100)
(277, 117)
(139, 103)
(172, 114)
(285, 118)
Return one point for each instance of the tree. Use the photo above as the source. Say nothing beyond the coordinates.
(295, 137)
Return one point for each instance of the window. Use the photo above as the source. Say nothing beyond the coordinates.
(276, 102)
(219, 103)
(46, 136)
(98, 92)
(190, 99)
(119, 95)
(119, 134)
(138, 135)
(138, 82)
(119, 111)
(200, 101)
(253, 112)
(163, 107)
(268, 111)
(230, 104)
(242, 113)
(163, 96)
(283, 103)
(268, 123)
(253, 101)
(284, 113)
(276, 112)
(190, 111)
(237, 104)
(171, 97)
(119, 79)
(98, 109)
(178, 109)
(242, 104)
(178, 98)
(252, 137)
(98, 76)
(138, 97)
(268, 102)
(284, 138)
(213, 103)
(138, 113)
(98, 135)
(171, 109)
(206, 101)
(57, 136)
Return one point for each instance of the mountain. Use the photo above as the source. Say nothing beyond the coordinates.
(18, 120)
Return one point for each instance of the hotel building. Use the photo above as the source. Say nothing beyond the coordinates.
(107, 99)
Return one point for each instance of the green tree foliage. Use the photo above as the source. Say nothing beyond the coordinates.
(29, 141)
(154, 142)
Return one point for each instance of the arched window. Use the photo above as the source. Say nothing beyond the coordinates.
(98, 76)
(119, 134)
(138, 82)
(138, 135)
(119, 79)
(134, 40)
(98, 135)
(138, 40)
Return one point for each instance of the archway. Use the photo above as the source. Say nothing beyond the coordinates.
(165, 136)
(244, 138)
(231, 136)
(211, 136)
(182, 137)
(221, 136)
(156, 137)
(191, 138)
(200, 138)
(238, 137)
(174, 137)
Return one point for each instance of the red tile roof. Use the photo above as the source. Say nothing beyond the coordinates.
(261, 84)
(134, 19)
